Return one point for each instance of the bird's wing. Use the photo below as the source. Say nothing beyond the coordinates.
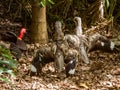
(21, 44)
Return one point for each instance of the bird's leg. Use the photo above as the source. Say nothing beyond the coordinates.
(83, 54)
(59, 64)
(36, 65)
(59, 61)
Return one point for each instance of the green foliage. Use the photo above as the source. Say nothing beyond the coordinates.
(6, 59)
(7, 64)
(45, 2)
(110, 6)
(6, 80)
(117, 11)
(107, 4)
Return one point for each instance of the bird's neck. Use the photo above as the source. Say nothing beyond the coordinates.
(79, 23)
(20, 35)
(79, 29)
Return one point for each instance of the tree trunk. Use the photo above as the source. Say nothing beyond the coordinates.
(38, 27)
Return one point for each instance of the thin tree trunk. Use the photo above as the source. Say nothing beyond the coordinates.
(38, 31)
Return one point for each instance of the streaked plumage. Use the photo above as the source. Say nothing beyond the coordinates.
(61, 47)
(71, 60)
(59, 35)
(59, 60)
(78, 40)
(70, 68)
(73, 41)
(100, 42)
(44, 55)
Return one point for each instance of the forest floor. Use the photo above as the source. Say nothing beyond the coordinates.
(101, 74)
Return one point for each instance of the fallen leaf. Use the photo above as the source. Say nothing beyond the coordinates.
(84, 85)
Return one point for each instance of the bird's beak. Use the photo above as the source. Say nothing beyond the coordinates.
(75, 21)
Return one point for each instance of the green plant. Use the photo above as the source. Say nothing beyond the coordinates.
(7, 65)
(110, 7)
(44, 2)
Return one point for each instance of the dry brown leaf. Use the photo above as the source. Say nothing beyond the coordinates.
(84, 85)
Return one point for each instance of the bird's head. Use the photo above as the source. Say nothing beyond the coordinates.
(77, 21)
(58, 25)
(22, 32)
